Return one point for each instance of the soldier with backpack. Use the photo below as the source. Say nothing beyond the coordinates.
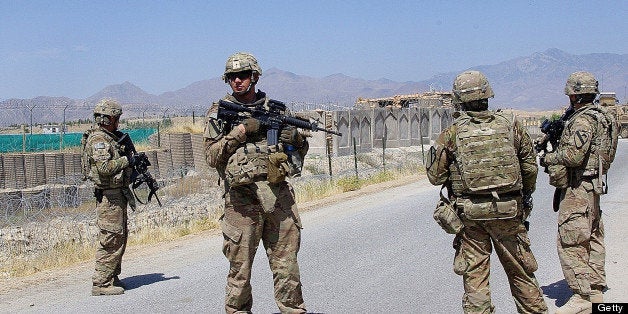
(487, 163)
(585, 152)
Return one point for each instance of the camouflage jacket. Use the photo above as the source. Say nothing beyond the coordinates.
(109, 167)
(440, 171)
(575, 144)
(220, 142)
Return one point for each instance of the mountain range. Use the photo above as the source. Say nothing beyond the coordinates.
(530, 83)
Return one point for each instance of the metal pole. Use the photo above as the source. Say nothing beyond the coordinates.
(31, 110)
(31, 127)
(23, 139)
(421, 138)
(384, 147)
(328, 144)
(355, 159)
(62, 129)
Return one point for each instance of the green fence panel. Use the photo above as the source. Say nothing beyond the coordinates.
(43, 142)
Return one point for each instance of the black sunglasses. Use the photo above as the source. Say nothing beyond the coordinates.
(241, 75)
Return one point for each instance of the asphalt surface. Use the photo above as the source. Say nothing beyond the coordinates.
(378, 253)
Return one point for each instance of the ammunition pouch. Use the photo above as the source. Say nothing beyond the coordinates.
(446, 216)
(247, 165)
(460, 264)
(277, 167)
(487, 208)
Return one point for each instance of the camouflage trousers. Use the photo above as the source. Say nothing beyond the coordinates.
(112, 239)
(512, 245)
(580, 239)
(280, 231)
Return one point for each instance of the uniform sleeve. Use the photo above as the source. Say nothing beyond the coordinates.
(219, 146)
(438, 171)
(574, 143)
(527, 158)
(104, 156)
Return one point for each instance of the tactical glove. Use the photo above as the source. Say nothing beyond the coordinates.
(290, 135)
(251, 125)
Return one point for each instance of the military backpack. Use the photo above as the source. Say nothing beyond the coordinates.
(605, 139)
(485, 154)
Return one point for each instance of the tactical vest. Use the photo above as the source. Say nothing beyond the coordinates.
(248, 164)
(89, 168)
(486, 161)
(603, 140)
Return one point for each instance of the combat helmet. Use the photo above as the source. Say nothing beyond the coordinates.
(470, 86)
(105, 109)
(581, 83)
(239, 62)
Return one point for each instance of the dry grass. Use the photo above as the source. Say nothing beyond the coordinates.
(185, 125)
(71, 253)
(314, 190)
(186, 186)
(60, 255)
(162, 234)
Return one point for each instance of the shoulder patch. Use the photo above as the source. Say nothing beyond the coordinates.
(580, 138)
(99, 145)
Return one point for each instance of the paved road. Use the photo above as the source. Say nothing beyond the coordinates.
(379, 253)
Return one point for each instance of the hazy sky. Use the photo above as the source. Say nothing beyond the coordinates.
(76, 48)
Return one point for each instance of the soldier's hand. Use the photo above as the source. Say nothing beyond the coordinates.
(290, 135)
(251, 125)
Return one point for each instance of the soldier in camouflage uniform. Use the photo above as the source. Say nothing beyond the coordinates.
(109, 167)
(260, 204)
(580, 238)
(488, 214)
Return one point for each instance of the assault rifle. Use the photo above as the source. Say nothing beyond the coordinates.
(273, 119)
(552, 130)
(140, 169)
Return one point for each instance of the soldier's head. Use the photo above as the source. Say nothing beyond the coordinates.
(582, 88)
(107, 113)
(471, 91)
(242, 73)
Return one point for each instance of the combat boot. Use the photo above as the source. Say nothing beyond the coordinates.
(107, 290)
(577, 304)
